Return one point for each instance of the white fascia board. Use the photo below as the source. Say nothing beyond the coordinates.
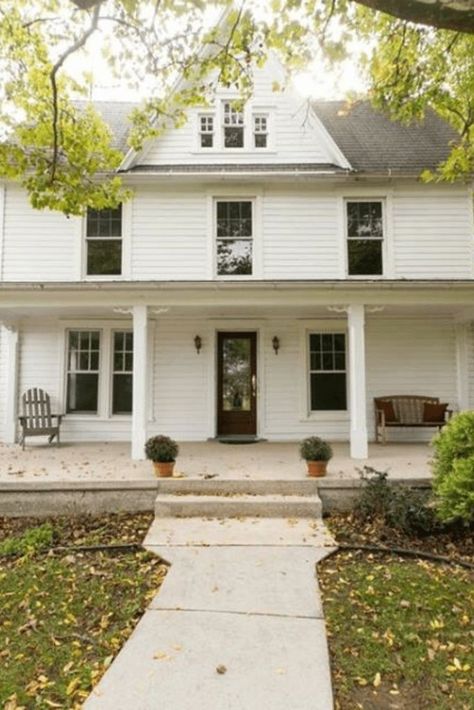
(329, 143)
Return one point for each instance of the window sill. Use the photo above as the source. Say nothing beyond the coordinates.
(327, 416)
(236, 151)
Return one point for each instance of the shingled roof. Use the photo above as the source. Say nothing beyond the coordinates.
(372, 142)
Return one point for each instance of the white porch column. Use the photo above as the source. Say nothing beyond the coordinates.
(358, 404)
(140, 379)
(462, 365)
(10, 336)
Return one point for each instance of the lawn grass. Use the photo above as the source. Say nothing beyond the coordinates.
(401, 632)
(64, 616)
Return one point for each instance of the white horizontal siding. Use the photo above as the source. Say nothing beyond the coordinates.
(300, 235)
(471, 366)
(181, 381)
(404, 356)
(3, 382)
(410, 357)
(432, 233)
(38, 245)
(169, 235)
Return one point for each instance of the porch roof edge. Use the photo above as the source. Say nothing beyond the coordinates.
(275, 284)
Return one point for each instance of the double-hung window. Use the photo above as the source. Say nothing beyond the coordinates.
(365, 238)
(206, 130)
(104, 242)
(234, 227)
(233, 126)
(327, 371)
(260, 130)
(122, 378)
(83, 363)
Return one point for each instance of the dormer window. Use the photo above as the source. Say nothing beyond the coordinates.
(206, 130)
(233, 126)
(260, 131)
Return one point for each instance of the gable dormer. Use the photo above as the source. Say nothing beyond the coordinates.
(272, 127)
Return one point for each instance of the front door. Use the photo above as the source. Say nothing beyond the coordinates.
(237, 384)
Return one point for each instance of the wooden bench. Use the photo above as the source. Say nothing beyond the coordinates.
(408, 411)
(37, 419)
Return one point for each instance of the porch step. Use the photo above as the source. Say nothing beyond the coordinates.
(213, 486)
(238, 505)
(166, 533)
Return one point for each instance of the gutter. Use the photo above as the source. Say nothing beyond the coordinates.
(359, 285)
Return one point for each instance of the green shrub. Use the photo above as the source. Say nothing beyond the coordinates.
(31, 541)
(315, 449)
(402, 508)
(455, 492)
(161, 448)
(453, 469)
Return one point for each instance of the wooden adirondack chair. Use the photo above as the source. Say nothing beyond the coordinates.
(37, 419)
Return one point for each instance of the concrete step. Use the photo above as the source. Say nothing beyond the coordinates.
(166, 533)
(238, 505)
(215, 486)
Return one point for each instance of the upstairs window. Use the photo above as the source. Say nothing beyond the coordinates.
(122, 383)
(327, 371)
(260, 131)
(365, 238)
(233, 126)
(206, 130)
(234, 238)
(83, 371)
(104, 242)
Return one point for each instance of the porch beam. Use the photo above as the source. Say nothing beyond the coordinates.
(357, 386)
(10, 337)
(140, 379)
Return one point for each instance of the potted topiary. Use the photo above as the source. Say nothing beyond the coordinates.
(163, 452)
(316, 453)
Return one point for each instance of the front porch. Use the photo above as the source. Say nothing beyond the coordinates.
(110, 462)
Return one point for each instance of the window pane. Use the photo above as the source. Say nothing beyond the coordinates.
(233, 137)
(234, 256)
(82, 393)
(129, 362)
(234, 219)
(129, 341)
(328, 391)
(364, 219)
(104, 258)
(118, 361)
(340, 361)
(260, 140)
(327, 342)
(122, 394)
(206, 140)
(104, 223)
(365, 257)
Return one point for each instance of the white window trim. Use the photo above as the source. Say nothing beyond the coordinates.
(387, 254)
(125, 274)
(306, 413)
(104, 403)
(257, 265)
(248, 148)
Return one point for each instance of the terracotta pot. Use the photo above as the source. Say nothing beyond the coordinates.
(317, 468)
(163, 469)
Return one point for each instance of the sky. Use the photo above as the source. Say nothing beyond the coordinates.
(316, 82)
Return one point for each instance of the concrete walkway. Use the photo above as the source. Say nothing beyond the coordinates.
(234, 627)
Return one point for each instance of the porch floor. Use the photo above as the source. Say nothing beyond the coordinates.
(96, 462)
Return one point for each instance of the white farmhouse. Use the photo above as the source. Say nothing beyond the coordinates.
(277, 269)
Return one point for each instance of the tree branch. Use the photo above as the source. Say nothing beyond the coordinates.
(80, 42)
(442, 14)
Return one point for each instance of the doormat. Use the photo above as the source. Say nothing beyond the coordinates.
(238, 440)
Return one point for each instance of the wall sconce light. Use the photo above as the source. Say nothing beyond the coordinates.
(198, 343)
(276, 344)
